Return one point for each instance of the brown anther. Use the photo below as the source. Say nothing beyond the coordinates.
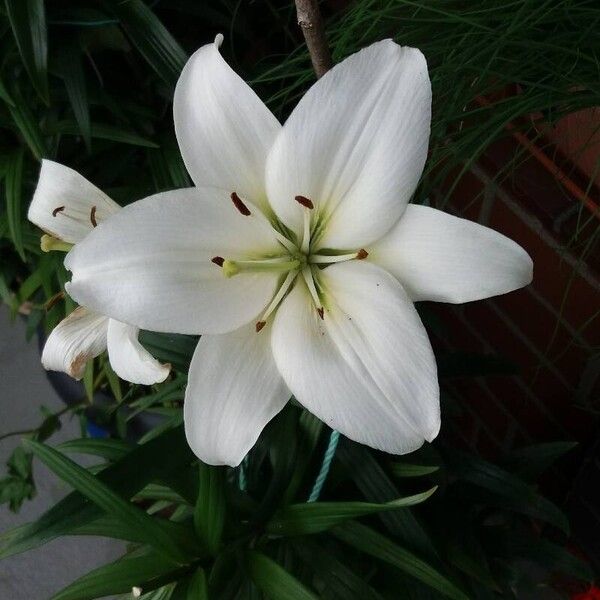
(93, 216)
(218, 260)
(361, 254)
(54, 300)
(237, 202)
(57, 210)
(321, 313)
(260, 325)
(304, 201)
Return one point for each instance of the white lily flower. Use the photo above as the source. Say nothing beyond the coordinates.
(297, 256)
(68, 207)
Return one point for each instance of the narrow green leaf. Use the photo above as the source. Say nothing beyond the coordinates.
(14, 195)
(110, 502)
(374, 483)
(407, 470)
(28, 22)
(104, 132)
(147, 570)
(108, 448)
(342, 583)
(314, 517)
(209, 514)
(151, 38)
(158, 458)
(373, 543)
(274, 581)
(198, 586)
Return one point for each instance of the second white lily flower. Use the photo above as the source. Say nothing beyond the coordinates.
(297, 256)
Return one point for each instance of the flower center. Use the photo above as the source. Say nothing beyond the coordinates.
(297, 259)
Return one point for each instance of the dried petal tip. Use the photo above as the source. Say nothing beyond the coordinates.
(237, 202)
(218, 260)
(57, 210)
(304, 201)
(321, 313)
(260, 325)
(93, 216)
(361, 254)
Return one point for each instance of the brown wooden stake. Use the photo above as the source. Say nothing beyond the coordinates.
(311, 23)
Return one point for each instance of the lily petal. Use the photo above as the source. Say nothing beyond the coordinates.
(234, 390)
(150, 264)
(355, 146)
(366, 369)
(437, 256)
(129, 359)
(66, 204)
(223, 128)
(78, 338)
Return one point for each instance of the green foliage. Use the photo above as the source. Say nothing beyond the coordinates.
(90, 83)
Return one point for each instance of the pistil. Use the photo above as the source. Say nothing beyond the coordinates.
(49, 243)
(283, 263)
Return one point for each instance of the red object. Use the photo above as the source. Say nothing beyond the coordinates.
(592, 594)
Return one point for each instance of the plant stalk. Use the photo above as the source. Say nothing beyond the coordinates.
(311, 23)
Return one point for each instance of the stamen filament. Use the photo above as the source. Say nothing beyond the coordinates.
(306, 233)
(308, 278)
(285, 286)
(323, 259)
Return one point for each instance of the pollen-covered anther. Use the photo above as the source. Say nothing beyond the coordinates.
(237, 202)
(321, 312)
(362, 254)
(57, 210)
(304, 201)
(218, 260)
(93, 216)
(259, 325)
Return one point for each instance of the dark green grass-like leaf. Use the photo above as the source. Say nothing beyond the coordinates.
(152, 39)
(501, 488)
(13, 188)
(274, 581)
(104, 132)
(315, 517)
(158, 458)
(532, 461)
(27, 125)
(147, 569)
(149, 529)
(375, 544)
(72, 73)
(28, 22)
(408, 470)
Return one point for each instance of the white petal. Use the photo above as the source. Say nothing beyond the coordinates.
(234, 390)
(129, 359)
(78, 338)
(60, 186)
(355, 145)
(440, 257)
(366, 369)
(150, 264)
(223, 128)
